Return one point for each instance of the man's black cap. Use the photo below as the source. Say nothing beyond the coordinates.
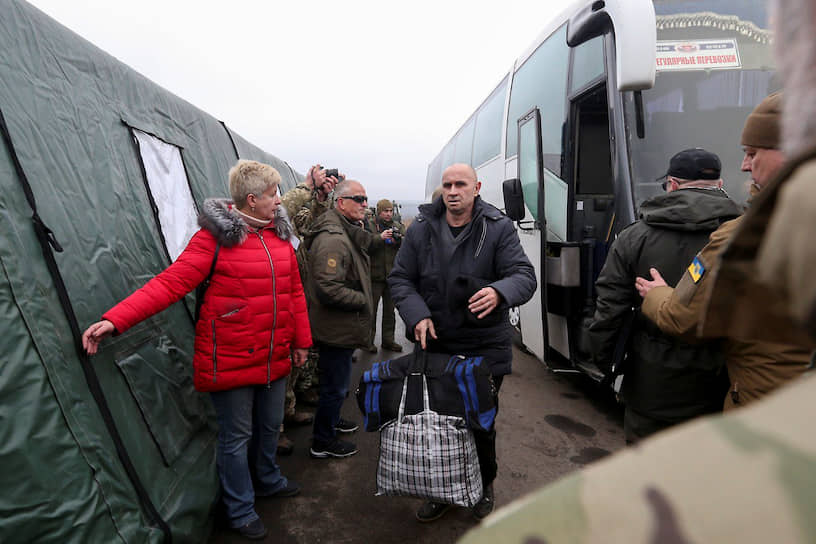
(693, 164)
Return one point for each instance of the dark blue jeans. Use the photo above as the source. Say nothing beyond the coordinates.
(234, 411)
(334, 365)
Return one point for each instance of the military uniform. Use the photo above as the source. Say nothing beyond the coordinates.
(382, 260)
(303, 208)
(746, 477)
(755, 367)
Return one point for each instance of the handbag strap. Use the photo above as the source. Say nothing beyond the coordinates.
(426, 402)
(401, 411)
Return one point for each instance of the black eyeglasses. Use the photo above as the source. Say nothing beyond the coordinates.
(359, 199)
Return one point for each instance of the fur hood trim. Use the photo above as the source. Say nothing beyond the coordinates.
(220, 218)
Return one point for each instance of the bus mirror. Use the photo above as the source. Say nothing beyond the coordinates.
(635, 30)
(513, 199)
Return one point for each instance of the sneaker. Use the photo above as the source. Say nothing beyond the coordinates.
(285, 446)
(337, 448)
(254, 530)
(299, 419)
(290, 490)
(371, 349)
(346, 426)
(485, 505)
(392, 346)
(432, 511)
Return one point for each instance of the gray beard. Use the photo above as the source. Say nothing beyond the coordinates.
(795, 49)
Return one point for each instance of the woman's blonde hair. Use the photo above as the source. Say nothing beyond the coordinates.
(251, 177)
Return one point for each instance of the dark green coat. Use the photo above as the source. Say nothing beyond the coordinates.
(338, 285)
(383, 254)
(665, 378)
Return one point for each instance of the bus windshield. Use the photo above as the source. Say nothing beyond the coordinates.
(714, 64)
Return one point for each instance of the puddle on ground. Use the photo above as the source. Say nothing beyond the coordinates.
(569, 425)
(589, 455)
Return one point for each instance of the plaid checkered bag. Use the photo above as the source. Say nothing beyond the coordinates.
(429, 456)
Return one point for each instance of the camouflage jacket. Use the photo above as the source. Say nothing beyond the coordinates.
(303, 207)
(745, 477)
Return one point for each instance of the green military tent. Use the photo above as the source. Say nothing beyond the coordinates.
(102, 171)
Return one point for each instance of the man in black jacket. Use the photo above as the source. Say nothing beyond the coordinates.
(459, 270)
(666, 381)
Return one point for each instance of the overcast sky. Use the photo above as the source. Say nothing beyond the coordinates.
(372, 88)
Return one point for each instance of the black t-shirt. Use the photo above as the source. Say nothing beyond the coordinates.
(456, 230)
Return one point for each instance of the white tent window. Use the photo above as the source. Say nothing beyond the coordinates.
(170, 191)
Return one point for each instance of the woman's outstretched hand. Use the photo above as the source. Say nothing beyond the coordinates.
(94, 334)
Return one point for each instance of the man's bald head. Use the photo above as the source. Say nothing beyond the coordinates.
(460, 187)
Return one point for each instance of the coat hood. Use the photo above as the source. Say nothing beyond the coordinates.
(689, 210)
(220, 218)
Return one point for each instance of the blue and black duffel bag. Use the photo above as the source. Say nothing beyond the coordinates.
(457, 386)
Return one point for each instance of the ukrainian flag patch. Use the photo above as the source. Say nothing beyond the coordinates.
(696, 269)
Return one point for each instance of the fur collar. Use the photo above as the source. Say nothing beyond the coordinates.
(220, 218)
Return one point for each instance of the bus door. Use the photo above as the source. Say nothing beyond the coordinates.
(589, 167)
(573, 218)
(545, 320)
(527, 191)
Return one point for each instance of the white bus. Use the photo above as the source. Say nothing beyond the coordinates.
(587, 119)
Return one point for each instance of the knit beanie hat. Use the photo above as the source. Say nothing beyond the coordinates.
(383, 204)
(762, 127)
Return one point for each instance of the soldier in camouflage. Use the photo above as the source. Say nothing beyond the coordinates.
(304, 203)
(382, 260)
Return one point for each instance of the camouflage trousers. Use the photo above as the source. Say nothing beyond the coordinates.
(300, 380)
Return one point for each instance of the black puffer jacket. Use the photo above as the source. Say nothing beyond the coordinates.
(423, 283)
(664, 377)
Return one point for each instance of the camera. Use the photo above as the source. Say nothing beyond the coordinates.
(396, 236)
(332, 172)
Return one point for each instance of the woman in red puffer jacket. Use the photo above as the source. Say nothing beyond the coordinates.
(253, 314)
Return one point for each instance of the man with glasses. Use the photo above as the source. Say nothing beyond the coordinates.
(666, 381)
(338, 288)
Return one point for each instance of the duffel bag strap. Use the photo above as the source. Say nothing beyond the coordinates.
(420, 360)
